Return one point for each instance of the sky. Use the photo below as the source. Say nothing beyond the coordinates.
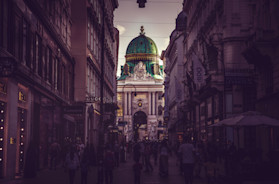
(158, 18)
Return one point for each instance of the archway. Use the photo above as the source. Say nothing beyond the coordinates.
(139, 123)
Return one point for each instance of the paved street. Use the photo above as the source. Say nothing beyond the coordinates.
(122, 175)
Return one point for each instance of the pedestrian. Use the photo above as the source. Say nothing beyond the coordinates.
(163, 160)
(137, 167)
(54, 154)
(211, 171)
(186, 152)
(84, 165)
(136, 151)
(100, 172)
(116, 153)
(109, 163)
(200, 155)
(147, 153)
(155, 152)
(142, 147)
(72, 164)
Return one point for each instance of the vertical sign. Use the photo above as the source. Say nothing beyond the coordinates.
(198, 69)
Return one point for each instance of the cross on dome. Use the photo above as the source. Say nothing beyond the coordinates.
(141, 30)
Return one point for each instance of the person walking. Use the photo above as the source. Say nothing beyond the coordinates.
(164, 159)
(137, 167)
(116, 153)
(147, 153)
(186, 152)
(72, 164)
(109, 163)
(155, 152)
(84, 165)
(100, 172)
(54, 154)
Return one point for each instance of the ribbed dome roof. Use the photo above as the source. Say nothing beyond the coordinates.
(141, 50)
(142, 45)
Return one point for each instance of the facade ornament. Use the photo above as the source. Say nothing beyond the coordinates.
(140, 72)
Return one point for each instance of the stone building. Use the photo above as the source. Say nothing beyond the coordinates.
(173, 58)
(139, 92)
(94, 48)
(231, 66)
(36, 79)
(52, 79)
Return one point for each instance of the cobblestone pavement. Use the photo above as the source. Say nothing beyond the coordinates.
(122, 175)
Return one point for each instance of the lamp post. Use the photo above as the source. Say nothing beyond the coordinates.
(135, 94)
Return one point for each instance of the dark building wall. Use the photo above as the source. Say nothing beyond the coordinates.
(35, 41)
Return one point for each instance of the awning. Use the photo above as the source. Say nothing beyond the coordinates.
(69, 118)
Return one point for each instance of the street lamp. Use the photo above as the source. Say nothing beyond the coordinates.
(141, 3)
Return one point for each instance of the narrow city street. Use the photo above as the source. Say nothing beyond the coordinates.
(122, 175)
(83, 82)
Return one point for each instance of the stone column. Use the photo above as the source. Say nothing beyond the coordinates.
(153, 102)
(149, 103)
(125, 104)
(129, 110)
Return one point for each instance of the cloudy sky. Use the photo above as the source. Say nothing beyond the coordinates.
(158, 18)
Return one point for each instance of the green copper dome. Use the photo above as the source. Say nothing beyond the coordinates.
(141, 48)
(142, 52)
(142, 44)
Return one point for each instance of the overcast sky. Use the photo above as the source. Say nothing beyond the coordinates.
(158, 18)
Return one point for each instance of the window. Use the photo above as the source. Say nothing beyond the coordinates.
(17, 37)
(91, 37)
(38, 55)
(4, 23)
(59, 76)
(42, 61)
(24, 41)
(56, 73)
(88, 32)
(50, 66)
(94, 83)
(63, 79)
(32, 43)
(95, 44)
(88, 79)
(46, 52)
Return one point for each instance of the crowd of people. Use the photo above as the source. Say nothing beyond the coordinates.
(193, 160)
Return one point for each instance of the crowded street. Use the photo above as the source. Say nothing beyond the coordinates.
(123, 172)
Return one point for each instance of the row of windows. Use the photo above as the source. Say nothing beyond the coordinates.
(93, 82)
(94, 85)
(28, 48)
(109, 72)
(58, 11)
(97, 9)
(93, 41)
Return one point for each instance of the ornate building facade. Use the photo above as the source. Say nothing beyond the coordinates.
(230, 66)
(140, 90)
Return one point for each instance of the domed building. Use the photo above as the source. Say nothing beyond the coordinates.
(140, 90)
